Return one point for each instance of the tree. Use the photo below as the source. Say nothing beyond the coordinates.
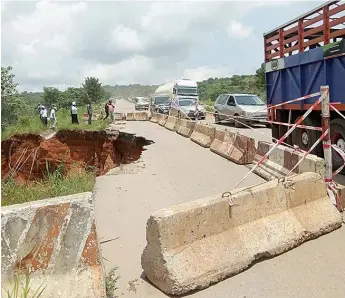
(94, 89)
(52, 95)
(11, 102)
(78, 95)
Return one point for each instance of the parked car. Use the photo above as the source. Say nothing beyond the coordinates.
(141, 103)
(160, 104)
(249, 108)
(186, 108)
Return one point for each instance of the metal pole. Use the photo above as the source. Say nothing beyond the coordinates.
(327, 149)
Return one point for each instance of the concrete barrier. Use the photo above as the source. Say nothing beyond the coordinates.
(155, 117)
(184, 127)
(162, 120)
(141, 116)
(130, 117)
(199, 243)
(170, 123)
(203, 135)
(235, 147)
(283, 159)
(119, 116)
(56, 241)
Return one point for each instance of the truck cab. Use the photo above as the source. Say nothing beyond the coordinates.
(301, 56)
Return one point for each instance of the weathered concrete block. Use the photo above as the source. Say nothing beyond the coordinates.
(154, 117)
(283, 159)
(193, 245)
(130, 117)
(184, 127)
(141, 116)
(170, 123)
(203, 135)
(55, 240)
(162, 120)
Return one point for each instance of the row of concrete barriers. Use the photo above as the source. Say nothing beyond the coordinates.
(241, 149)
(263, 221)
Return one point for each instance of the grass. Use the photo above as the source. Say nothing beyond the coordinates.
(55, 184)
(33, 124)
(110, 282)
(208, 104)
(23, 291)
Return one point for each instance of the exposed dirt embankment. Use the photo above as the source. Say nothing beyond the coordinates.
(28, 157)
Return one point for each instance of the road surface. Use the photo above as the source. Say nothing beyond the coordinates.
(174, 170)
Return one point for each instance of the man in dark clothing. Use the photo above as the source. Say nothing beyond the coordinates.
(106, 108)
(89, 112)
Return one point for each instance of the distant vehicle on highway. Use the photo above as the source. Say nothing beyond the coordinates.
(248, 107)
(160, 103)
(185, 108)
(141, 103)
(174, 91)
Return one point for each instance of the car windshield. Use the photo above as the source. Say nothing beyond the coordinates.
(186, 102)
(143, 100)
(249, 100)
(160, 100)
(187, 90)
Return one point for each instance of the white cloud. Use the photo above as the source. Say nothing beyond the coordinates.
(59, 43)
(203, 72)
(238, 30)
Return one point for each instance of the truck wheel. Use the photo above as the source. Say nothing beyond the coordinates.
(305, 138)
(338, 138)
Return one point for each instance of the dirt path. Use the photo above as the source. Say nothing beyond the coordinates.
(175, 170)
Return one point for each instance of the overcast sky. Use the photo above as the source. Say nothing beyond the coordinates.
(59, 43)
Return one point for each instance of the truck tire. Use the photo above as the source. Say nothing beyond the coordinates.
(216, 118)
(305, 138)
(338, 138)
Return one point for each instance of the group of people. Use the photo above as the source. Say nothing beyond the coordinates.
(43, 111)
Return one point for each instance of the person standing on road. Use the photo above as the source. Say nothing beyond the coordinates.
(74, 113)
(53, 118)
(111, 110)
(89, 112)
(106, 109)
(44, 116)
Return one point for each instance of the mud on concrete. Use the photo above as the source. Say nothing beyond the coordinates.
(29, 157)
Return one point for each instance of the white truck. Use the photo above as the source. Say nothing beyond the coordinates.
(168, 97)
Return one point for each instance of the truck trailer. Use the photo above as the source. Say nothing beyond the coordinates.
(301, 56)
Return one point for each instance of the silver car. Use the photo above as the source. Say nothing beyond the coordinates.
(186, 108)
(141, 103)
(248, 108)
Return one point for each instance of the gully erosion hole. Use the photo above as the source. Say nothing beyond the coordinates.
(28, 157)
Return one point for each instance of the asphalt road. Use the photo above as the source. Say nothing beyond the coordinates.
(174, 170)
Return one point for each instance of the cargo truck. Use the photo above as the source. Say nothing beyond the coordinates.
(300, 57)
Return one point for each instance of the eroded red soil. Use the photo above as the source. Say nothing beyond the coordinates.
(27, 157)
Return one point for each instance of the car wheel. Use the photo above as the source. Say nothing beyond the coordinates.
(305, 138)
(237, 123)
(338, 139)
(216, 118)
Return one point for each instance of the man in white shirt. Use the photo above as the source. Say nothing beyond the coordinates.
(44, 115)
(53, 118)
(74, 113)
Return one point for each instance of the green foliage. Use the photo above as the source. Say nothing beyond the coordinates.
(12, 104)
(54, 185)
(33, 124)
(110, 282)
(211, 88)
(52, 95)
(24, 291)
(94, 90)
